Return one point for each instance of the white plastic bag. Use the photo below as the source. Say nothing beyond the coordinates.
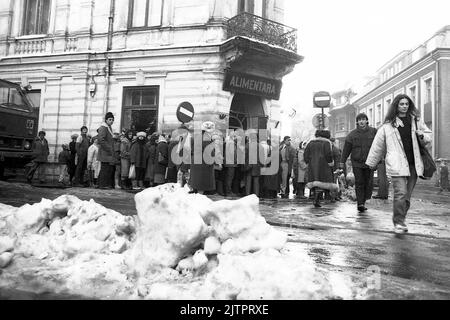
(132, 172)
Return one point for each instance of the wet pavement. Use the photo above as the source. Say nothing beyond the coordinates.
(415, 265)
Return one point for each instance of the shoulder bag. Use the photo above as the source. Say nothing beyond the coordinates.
(429, 167)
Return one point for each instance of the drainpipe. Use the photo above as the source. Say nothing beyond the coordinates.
(108, 61)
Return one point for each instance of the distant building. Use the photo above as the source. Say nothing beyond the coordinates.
(342, 116)
(141, 58)
(422, 73)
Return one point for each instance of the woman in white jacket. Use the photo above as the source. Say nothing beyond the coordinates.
(92, 160)
(397, 140)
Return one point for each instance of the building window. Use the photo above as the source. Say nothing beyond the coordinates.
(379, 116)
(145, 13)
(140, 109)
(340, 124)
(36, 17)
(412, 94)
(427, 91)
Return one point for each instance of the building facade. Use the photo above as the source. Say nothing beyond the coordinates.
(140, 59)
(423, 73)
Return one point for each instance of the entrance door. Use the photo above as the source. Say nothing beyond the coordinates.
(247, 112)
(140, 109)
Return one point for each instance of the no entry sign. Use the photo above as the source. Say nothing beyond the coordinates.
(185, 112)
(322, 99)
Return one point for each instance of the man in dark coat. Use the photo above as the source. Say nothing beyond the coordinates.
(41, 150)
(82, 145)
(73, 153)
(202, 174)
(106, 153)
(318, 156)
(287, 154)
(358, 143)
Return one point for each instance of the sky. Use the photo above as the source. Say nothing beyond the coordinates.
(343, 41)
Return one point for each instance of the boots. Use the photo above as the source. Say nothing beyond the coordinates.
(134, 185)
(317, 199)
(141, 185)
(123, 184)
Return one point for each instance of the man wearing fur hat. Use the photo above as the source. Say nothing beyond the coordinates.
(106, 153)
(357, 144)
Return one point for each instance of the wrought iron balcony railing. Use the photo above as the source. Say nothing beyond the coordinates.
(255, 27)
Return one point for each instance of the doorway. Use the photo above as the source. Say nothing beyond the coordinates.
(247, 112)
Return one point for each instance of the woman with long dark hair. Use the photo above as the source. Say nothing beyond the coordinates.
(398, 139)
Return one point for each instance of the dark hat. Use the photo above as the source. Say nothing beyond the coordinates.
(286, 138)
(41, 132)
(109, 115)
(361, 116)
(83, 127)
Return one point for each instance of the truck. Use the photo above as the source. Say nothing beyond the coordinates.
(18, 126)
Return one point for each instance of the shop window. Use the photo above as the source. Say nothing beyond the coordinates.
(145, 13)
(36, 17)
(412, 94)
(140, 109)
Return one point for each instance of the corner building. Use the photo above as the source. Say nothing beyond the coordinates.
(141, 58)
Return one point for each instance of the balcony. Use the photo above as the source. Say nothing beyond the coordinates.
(255, 27)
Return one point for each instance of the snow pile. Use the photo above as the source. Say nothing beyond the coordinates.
(184, 230)
(66, 228)
(180, 246)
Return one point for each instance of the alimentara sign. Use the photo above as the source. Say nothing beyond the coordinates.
(247, 83)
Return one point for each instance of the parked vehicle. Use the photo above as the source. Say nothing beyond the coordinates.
(18, 126)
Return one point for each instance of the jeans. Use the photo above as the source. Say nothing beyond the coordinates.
(363, 184)
(284, 178)
(63, 172)
(403, 188)
(251, 184)
(383, 183)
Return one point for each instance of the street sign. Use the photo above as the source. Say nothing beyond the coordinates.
(322, 99)
(185, 112)
(320, 121)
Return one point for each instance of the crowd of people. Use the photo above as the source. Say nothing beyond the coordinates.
(137, 160)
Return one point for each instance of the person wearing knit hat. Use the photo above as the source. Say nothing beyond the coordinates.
(106, 153)
(82, 146)
(141, 134)
(358, 144)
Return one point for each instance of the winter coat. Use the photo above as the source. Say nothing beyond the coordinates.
(253, 169)
(41, 150)
(319, 158)
(125, 146)
(300, 166)
(64, 157)
(117, 144)
(151, 152)
(138, 154)
(336, 157)
(290, 156)
(202, 175)
(82, 146)
(160, 166)
(92, 160)
(270, 181)
(357, 144)
(105, 144)
(388, 143)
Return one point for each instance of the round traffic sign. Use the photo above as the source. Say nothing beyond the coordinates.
(185, 112)
(322, 99)
(320, 121)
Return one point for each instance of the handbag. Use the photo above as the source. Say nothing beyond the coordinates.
(132, 172)
(429, 167)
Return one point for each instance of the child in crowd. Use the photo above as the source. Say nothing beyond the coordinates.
(64, 160)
